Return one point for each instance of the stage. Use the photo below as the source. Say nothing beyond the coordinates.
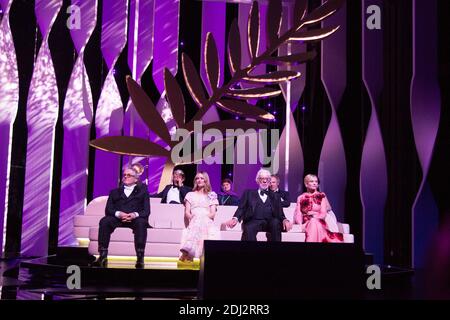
(163, 278)
(114, 117)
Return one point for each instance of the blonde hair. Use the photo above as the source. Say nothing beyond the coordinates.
(207, 188)
(309, 176)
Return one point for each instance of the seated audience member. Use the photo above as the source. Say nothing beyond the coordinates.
(200, 210)
(228, 197)
(311, 212)
(260, 210)
(175, 192)
(127, 206)
(275, 187)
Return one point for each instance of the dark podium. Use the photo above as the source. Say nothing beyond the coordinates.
(281, 270)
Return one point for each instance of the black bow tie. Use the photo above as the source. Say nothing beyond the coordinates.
(174, 186)
(263, 192)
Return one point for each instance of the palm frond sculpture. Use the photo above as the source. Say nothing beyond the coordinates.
(230, 97)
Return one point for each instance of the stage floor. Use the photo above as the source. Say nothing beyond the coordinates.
(47, 277)
(162, 279)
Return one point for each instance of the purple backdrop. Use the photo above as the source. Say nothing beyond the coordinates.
(77, 119)
(42, 114)
(425, 116)
(214, 21)
(109, 114)
(373, 162)
(290, 148)
(140, 53)
(9, 99)
(165, 55)
(245, 174)
(332, 166)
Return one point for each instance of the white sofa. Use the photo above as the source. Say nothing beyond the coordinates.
(167, 220)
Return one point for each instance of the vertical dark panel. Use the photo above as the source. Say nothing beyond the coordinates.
(439, 174)
(404, 174)
(26, 40)
(354, 114)
(373, 159)
(313, 120)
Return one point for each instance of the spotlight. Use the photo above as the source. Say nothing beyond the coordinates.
(303, 108)
(182, 43)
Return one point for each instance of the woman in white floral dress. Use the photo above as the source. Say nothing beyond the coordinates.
(200, 210)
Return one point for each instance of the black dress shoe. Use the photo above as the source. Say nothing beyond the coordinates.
(140, 259)
(140, 263)
(102, 260)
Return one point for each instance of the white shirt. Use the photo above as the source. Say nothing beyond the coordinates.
(127, 190)
(173, 195)
(264, 196)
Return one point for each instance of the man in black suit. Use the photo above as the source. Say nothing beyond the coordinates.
(274, 187)
(175, 192)
(260, 210)
(127, 206)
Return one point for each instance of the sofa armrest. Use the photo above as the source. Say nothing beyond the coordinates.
(344, 228)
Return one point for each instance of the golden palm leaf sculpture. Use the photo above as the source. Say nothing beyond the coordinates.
(229, 97)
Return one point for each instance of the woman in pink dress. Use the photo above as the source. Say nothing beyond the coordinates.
(311, 212)
(200, 209)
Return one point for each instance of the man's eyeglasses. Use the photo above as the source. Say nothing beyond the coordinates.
(263, 179)
(127, 175)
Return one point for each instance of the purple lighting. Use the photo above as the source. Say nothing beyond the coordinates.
(274, 112)
(230, 174)
(182, 43)
(237, 118)
(269, 104)
(303, 108)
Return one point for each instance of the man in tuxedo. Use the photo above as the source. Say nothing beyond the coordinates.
(274, 187)
(175, 192)
(127, 206)
(260, 210)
